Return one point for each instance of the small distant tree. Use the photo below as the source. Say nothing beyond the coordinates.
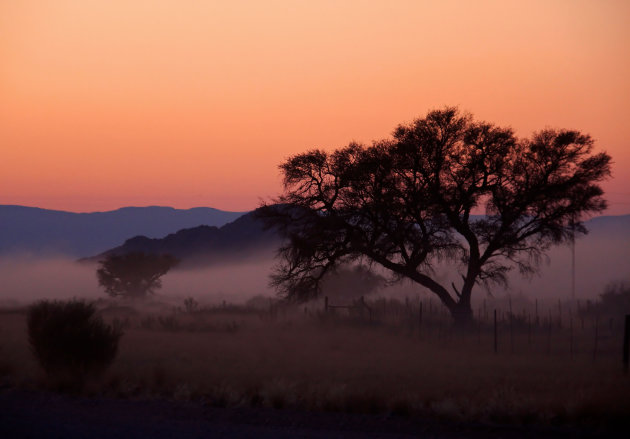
(134, 274)
(352, 282)
(444, 188)
(70, 341)
(614, 301)
(191, 305)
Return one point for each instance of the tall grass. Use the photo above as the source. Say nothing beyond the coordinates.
(396, 363)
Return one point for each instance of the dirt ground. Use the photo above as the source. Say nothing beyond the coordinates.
(37, 414)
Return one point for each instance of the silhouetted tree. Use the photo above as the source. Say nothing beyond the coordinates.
(408, 202)
(134, 274)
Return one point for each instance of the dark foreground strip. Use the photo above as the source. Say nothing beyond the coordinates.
(26, 414)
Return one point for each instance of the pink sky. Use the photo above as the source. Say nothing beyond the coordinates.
(183, 103)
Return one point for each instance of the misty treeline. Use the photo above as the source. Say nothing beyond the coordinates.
(133, 274)
(445, 188)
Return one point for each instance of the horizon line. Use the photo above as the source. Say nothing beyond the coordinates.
(194, 207)
(125, 207)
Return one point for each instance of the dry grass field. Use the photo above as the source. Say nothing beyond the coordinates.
(393, 362)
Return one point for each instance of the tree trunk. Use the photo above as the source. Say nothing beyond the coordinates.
(462, 313)
(462, 316)
(460, 310)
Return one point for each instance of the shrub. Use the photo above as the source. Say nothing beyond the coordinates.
(69, 341)
(614, 301)
(191, 305)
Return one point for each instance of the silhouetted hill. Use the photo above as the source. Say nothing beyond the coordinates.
(42, 231)
(244, 238)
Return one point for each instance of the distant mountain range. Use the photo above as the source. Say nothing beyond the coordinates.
(606, 246)
(210, 237)
(243, 239)
(54, 232)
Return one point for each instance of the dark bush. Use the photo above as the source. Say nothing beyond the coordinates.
(70, 341)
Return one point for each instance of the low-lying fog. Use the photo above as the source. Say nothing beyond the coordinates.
(25, 278)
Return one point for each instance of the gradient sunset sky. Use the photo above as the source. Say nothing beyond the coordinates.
(113, 103)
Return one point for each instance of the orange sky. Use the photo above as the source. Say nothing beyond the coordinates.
(187, 103)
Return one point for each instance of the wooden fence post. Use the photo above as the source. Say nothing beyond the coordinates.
(626, 343)
(549, 325)
(596, 338)
(571, 336)
(479, 332)
(485, 311)
(511, 326)
(495, 332)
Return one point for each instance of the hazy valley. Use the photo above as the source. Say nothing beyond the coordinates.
(232, 261)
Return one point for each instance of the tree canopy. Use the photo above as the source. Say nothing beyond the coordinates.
(134, 274)
(444, 188)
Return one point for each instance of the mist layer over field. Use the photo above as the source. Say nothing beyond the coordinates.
(28, 278)
(601, 257)
(598, 262)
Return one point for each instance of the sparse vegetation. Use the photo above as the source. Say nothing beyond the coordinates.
(233, 356)
(615, 300)
(70, 342)
(191, 305)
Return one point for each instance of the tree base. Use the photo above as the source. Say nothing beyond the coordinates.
(463, 318)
